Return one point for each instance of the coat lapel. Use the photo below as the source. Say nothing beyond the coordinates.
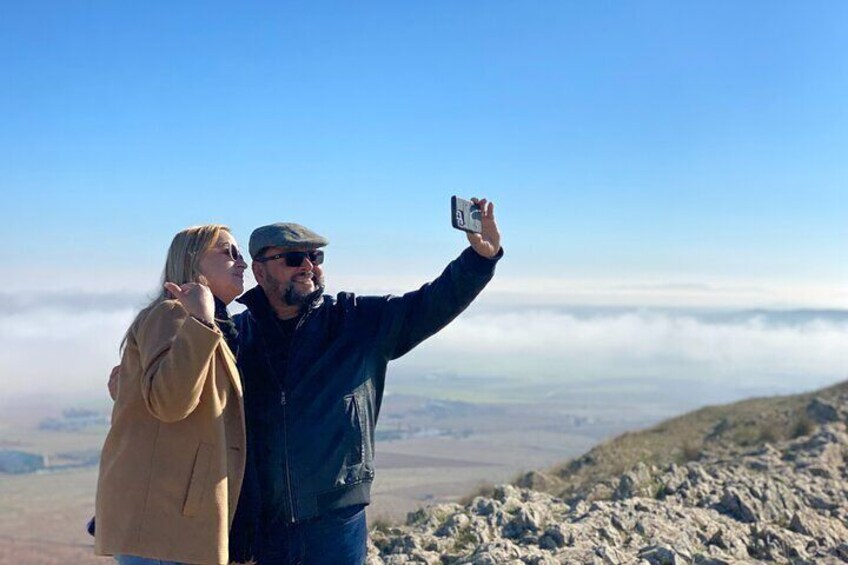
(231, 368)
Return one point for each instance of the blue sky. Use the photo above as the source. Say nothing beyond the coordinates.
(679, 155)
(654, 144)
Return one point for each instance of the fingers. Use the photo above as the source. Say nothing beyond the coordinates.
(175, 291)
(487, 209)
(474, 238)
(183, 290)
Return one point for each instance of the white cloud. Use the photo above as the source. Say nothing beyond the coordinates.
(59, 351)
(800, 350)
(69, 344)
(540, 291)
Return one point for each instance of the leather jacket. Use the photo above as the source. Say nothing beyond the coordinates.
(311, 430)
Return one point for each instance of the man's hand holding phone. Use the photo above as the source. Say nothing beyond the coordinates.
(479, 216)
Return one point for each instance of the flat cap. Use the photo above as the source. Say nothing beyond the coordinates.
(284, 235)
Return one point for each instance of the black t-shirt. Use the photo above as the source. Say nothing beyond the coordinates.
(281, 347)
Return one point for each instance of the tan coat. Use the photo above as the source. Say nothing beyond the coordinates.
(172, 465)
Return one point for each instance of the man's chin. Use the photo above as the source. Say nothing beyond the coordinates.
(297, 297)
(304, 289)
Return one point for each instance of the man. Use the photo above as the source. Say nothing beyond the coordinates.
(314, 371)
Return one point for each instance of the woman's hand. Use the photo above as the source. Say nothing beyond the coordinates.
(196, 298)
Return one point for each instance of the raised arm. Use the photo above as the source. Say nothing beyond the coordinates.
(417, 315)
(176, 350)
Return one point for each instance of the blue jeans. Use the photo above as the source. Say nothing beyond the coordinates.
(339, 538)
(135, 560)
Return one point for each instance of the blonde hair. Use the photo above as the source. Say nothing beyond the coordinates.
(182, 264)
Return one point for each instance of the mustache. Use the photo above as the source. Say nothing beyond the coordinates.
(291, 297)
(318, 279)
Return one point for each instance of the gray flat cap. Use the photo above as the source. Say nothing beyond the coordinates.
(284, 235)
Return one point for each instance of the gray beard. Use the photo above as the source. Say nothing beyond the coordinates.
(292, 297)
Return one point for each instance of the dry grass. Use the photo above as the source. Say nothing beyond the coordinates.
(803, 426)
(485, 488)
(745, 423)
(691, 451)
(380, 524)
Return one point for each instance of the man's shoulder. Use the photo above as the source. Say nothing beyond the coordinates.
(342, 301)
(352, 307)
(352, 300)
(340, 298)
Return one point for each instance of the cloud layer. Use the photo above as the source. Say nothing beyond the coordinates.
(791, 350)
(67, 345)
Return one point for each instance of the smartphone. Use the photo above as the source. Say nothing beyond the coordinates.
(465, 215)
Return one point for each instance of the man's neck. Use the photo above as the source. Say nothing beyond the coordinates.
(282, 310)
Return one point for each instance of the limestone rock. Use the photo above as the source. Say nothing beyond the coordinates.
(783, 502)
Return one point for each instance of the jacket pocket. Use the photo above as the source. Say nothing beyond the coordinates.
(354, 435)
(197, 483)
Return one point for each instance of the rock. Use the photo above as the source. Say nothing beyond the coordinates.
(453, 525)
(822, 412)
(841, 551)
(627, 487)
(785, 502)
(821, 503)
(601, 491)
(657, 555)
(615, 520)
(639, 527)
(528, 519)
(484, 506)
(553, 538)
(399, 545)
(611, 555)
(797, 525)
(636, 482)
(505, 493)
(539, 560)
(610, 536)
(495, 553)
(701, 559)
(737, 506)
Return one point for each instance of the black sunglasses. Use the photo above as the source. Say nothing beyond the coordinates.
(295, 258)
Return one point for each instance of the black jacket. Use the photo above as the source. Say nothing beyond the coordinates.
(311, 430)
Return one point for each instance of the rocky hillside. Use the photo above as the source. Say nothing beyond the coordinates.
(762, 480)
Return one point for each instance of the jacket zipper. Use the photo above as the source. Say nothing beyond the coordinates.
(283, 404)
(286, 450)
(291, 518)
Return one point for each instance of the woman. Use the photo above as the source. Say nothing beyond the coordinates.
(172, 465)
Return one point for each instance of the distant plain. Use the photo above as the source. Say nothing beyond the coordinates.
(433, 445)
